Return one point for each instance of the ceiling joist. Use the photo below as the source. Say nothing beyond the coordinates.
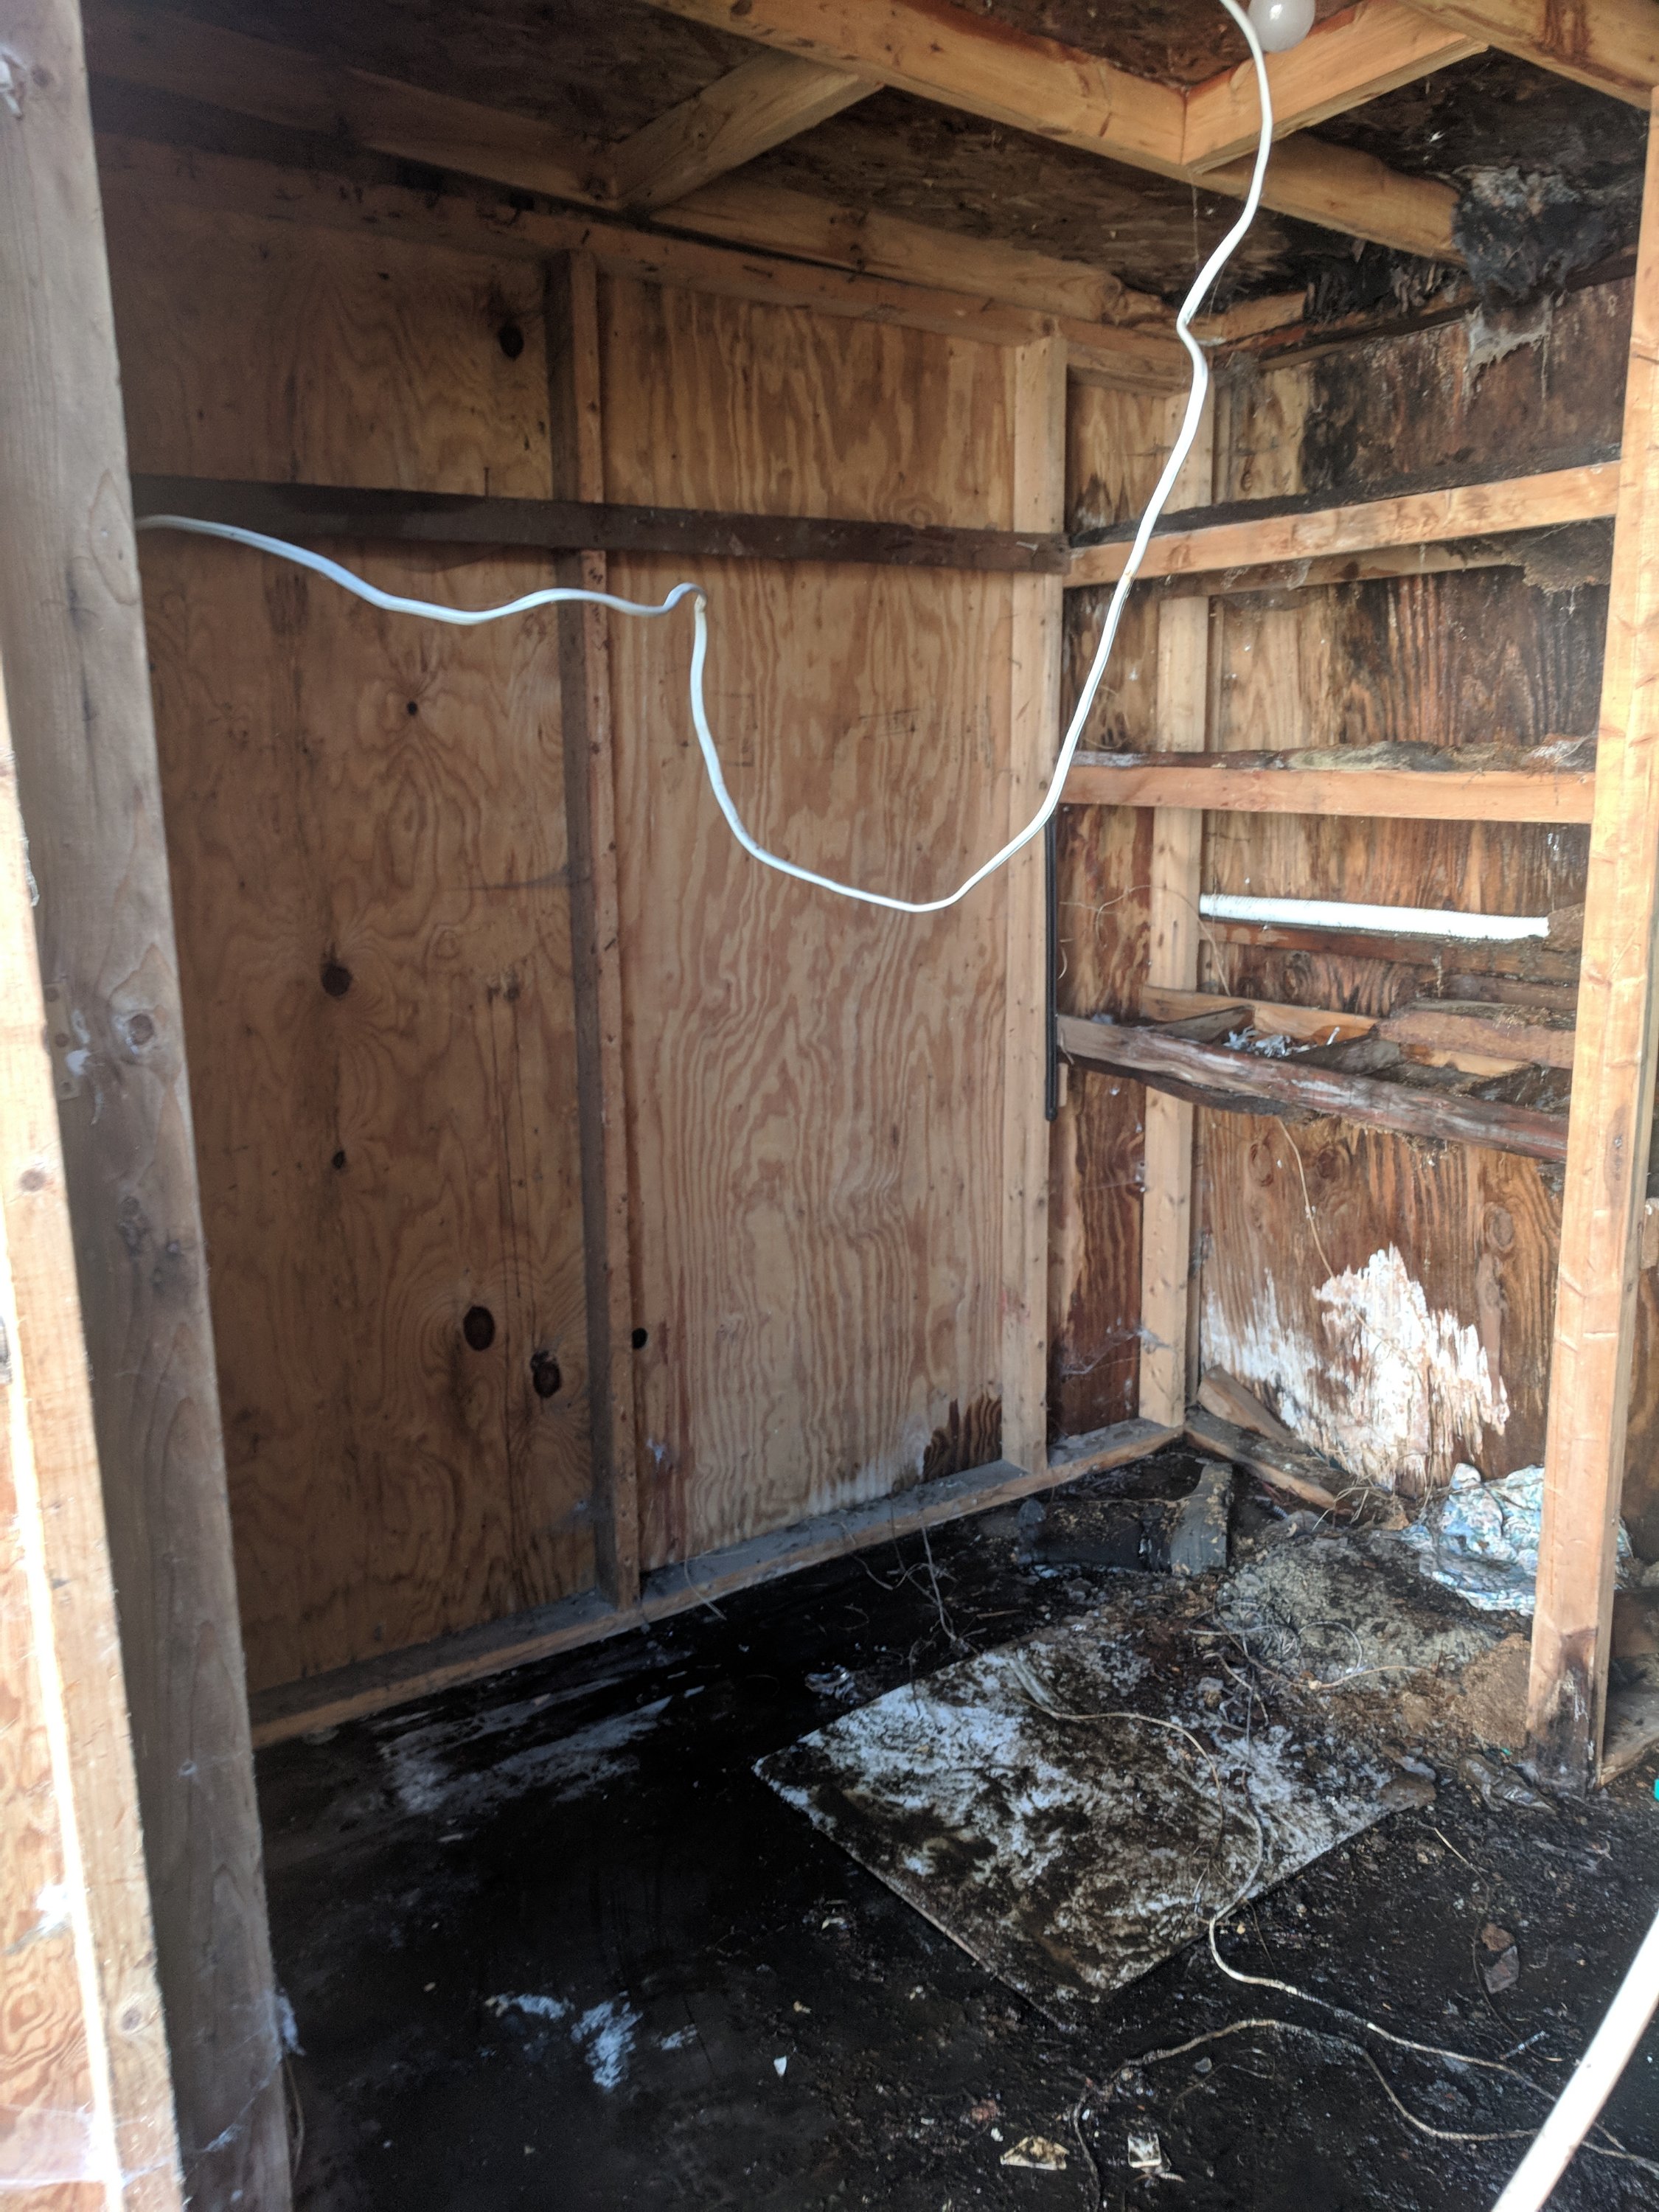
(1369, 50)
(1077, 100)
(1611, 45)
(743, 114)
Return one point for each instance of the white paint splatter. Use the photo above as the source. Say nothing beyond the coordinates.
(677, 2040)
(1391, 1391)
(604, 2036)
(539, 2007)
(570, 1767)
(780, 2067)
(52, 1904)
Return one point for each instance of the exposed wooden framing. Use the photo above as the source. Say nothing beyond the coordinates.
(1558, 495)
(1487, 1040)
(1370, 49)
(252, 77)
(375, 1685)
(1166, 1237)
(1034, 663)
(1220, 1075)
(1527, 961)
(1279, 783)
(572, 352)
(1611, 45)
(783, 222)
(1612, 1102)
(756, 106)
(72, 642)
(974, 63)
(1060, 92)
(83, 2048)
(323, 511)
(220, 185)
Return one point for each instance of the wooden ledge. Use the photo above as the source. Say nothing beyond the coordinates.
(374, 1685)
(568, 526)
(1247, 1083)
(1292, 530)
(1440, 784)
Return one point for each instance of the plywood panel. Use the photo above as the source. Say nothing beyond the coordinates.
(368, 843)
(815, 1087)
(256, 348)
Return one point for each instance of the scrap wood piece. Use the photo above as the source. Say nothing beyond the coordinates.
(1293, 1469)
(1227, 1398)
(1198, 1542)
(1291, 1089)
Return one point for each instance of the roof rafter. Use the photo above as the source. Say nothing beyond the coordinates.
(1611, 45)
(745, 113)
(939, 53)
(1371, 49)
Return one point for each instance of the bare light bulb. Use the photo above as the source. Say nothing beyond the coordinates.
(1281, 24)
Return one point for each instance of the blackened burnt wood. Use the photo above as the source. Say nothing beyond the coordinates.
(1223, 1077)
(569, 525)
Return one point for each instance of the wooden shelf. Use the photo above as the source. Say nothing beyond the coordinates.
(1246, 1082)
(1554, 783)
(1487, 1039)
(1290, 530)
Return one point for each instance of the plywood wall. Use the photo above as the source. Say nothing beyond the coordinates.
(814, 1087)
(366, 829)
(366, 825)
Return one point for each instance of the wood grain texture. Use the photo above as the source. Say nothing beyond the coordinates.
(754, 107)
(1284, 783)
(369, 858)
(815, 1089)
(1117, 442)
(71, 639)
(1033, 662)
(88, 2099)
(575, 416)
(1613, 1090)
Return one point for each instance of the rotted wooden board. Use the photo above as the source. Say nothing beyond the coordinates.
(815, 1087)
(367, 847)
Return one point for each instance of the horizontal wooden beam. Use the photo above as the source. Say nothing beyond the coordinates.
(1611, 45)
(754, 107)
(1486, 1038)
(1423, 517)
(374, 1685)
(1315, 783)
(1366, 51)
(985, 67)
(1215, 1075)
(557, 526)
(1525, 962)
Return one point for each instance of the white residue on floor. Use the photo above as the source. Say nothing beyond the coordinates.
(539, 2008)
(605, 2035)
(1392, 1389)
(427, 1779)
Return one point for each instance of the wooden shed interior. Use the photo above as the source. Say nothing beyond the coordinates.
(467, 1207)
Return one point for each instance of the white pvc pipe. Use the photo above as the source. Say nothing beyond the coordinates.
(1592, 2084)
(1390, 921)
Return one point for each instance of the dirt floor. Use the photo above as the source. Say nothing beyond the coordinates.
(549, 1942)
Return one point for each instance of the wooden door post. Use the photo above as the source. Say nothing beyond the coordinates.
(1612, 1103)
(77, 686)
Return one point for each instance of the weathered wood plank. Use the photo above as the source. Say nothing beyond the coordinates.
(375, 1687)
(1489, 1039)
(1289, 783)
(1214, 1071)
(1591, 1373)
(1611, 45)
(576, 426)
(739, 117)
(1558, 495)
(320, 511)
(72, 642)
(1038, 498)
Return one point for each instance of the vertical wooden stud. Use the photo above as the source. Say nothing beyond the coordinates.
(1039, 503)
(72, 643)
(1183, 691)
(1613, 1086)
(589, 804)
(82, 2043)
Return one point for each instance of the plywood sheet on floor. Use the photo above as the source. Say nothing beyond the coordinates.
(1067, 1847)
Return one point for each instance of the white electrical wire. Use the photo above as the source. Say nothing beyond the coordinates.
(1591, 2085)
(1172, 468)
